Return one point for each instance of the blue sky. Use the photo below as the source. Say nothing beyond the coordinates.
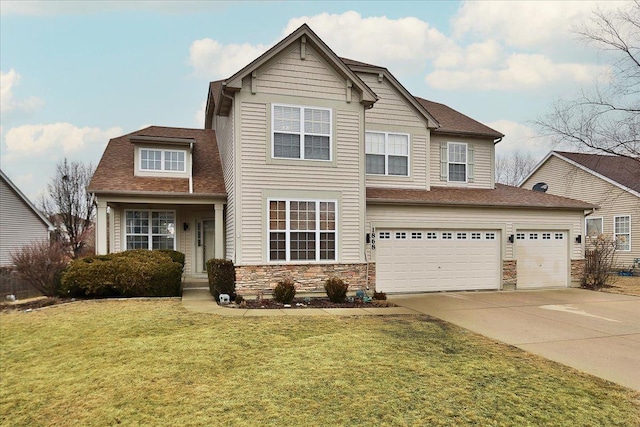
(75, 74)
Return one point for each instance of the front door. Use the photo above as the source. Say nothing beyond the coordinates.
(205, 243)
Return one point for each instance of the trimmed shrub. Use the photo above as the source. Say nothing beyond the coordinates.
(176, 256)
(222, 278)
(336, 289)
(284, 291)
(41, 265)
(136, 273)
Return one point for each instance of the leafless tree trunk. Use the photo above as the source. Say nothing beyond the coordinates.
(605, 118)
(69, 206)
(512, 169)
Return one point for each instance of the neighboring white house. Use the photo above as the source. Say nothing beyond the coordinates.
(610, 182)
(311, 166)
(21, 222)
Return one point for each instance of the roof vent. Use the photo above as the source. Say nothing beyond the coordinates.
(542, 187)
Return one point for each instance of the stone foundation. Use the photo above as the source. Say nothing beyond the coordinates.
(307, 277)
(577, 272)
(509, 274)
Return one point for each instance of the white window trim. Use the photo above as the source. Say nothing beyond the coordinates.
(615, 235)
(288, 231)
(163, 152)
(302, 132)
(585, 225)
(386, 154)
(466, 162)
(149, 234)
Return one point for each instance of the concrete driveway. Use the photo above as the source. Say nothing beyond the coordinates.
(594, 332)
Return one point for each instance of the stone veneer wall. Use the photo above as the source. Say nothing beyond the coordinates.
(307, 277)
(509, 274)
(577, 271)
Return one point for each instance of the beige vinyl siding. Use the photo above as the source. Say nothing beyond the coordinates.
(19, 225)
(312, 77)
(261, 177)
(483, 152)
(417, 178)
(509, 220)
(226, 142)
(565, 179)
(391, 108)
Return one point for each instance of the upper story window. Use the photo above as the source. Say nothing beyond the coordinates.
(162, 160)
(457, 159)
(456, 162)
(387, 153)
(301, 132)
(622, 232)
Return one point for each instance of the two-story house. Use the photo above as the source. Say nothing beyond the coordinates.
(311, 166)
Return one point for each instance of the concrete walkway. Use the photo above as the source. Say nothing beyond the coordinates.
(200, 300)
(595, 332)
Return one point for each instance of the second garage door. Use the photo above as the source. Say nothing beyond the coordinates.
(437, 260)
(542, 259)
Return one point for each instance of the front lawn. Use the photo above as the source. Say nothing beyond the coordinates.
(625, 285)
(150, 362)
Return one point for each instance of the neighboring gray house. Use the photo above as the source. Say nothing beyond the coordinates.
(20, 222)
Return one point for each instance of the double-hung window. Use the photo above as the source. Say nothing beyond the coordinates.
(301, 132)
(302, 230)
(622, 232)
(145, 229)
(162, 160)
(457, 160)
(387, 153)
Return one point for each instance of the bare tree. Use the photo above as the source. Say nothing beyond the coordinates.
(605, 118)
(69, 206)
(512, 169)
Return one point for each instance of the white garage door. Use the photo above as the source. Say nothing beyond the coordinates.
(542, 259)
(437, 260)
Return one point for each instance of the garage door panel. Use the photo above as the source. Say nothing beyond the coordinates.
(434, 263)
(542, 259)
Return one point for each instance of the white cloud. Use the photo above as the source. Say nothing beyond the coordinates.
(517, 72)
(200, 114)
(214, 60)
(525, 24)
(34, 140)
(519, 138)
(8, 102)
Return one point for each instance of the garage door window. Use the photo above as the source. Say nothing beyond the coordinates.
(302, 230)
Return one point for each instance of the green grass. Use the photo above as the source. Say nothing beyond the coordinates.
(103, 363)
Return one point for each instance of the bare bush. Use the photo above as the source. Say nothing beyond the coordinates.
(600, 261)
(41, 264)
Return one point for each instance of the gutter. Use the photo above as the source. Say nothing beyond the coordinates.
(467, 205)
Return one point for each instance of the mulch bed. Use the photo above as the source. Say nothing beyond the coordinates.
(313, 302)
(32, 304)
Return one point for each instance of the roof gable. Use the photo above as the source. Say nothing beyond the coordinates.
(25, 200)
(305, 35)
(623, 172)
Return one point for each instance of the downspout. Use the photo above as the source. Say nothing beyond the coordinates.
(191, 168)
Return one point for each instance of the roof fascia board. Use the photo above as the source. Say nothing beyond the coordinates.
(26, 201)
(160, 195)
(235, 81)
(596, 174)
(471, 205)
(432, 123)
(161, 139)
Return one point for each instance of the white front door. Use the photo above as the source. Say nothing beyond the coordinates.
(205, 243)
